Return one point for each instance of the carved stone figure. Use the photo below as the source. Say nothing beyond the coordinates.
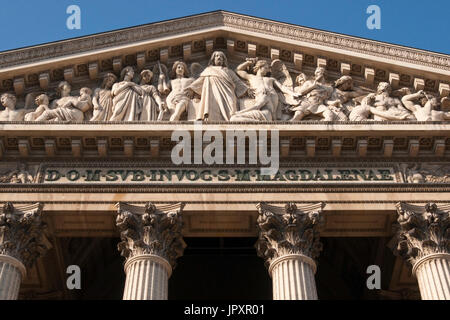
(10, 113)
(438, 115)
(315, 94)
(266, 101)
(68, 108)
(384, 101)
(341, 99)
(219, 87)
(126, 97)
(18, 175)
(177, 100)
(366, 109)
(421, 105)
(426, 173)
(42, 102)
(153, 106)
(299, 81)
(102, 99)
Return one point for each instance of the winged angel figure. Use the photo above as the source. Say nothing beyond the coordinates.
(265, 106)
(181, 77)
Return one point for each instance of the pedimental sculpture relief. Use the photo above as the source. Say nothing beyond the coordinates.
(256, 90)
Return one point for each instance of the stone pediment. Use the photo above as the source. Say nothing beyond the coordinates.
(192, 39)
(362, 90)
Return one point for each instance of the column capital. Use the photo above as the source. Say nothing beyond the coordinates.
(421, 231)
(289, 230)
(23, 233)
(151, 230)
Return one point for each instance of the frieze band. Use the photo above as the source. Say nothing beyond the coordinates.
(257, 90)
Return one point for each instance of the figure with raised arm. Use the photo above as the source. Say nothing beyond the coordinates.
(422, 105)
(315, 94)
(366, 109)
(266, 101)
(384, 101)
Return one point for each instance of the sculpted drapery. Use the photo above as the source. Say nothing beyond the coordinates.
(126, 98)
(152, 105)
(68, 108)
(219, 88)
(102, 99)
(150, 109)
(219, 93)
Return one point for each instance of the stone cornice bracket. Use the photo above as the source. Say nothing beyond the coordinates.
(289, 230)
(422, 231)
(151, 230)
(23, 233)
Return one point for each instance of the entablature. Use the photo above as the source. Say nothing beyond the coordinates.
(308, 140)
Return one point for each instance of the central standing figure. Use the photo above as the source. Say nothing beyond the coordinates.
(219, 88)
(126, 97)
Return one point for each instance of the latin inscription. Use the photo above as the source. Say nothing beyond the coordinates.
(218, 175)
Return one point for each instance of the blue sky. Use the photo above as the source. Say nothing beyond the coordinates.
(424, 25)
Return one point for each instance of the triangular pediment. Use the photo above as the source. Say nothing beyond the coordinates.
(194, 38)
(84, 62)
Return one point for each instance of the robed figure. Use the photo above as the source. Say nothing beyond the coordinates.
(126, 98)
(219, 89)
(103, 100)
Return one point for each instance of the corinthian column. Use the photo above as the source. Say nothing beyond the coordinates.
(151, 243)
(289, 243)
(423, 240)
(22, 241)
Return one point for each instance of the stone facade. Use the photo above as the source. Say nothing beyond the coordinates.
(363, 132)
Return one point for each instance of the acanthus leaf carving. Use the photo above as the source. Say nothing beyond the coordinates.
(421, 231)
(23, 233)
(150, 230)
(289, 230)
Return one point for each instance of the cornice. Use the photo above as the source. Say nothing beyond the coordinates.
(355, 44)
(110, 39)
(226, 21)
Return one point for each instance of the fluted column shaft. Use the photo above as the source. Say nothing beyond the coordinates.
(11, 273)
(151, 243)
(147, 278)
(433, 276)
(22, 240)
(422, 239)
(289, 241)
(293, 278)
